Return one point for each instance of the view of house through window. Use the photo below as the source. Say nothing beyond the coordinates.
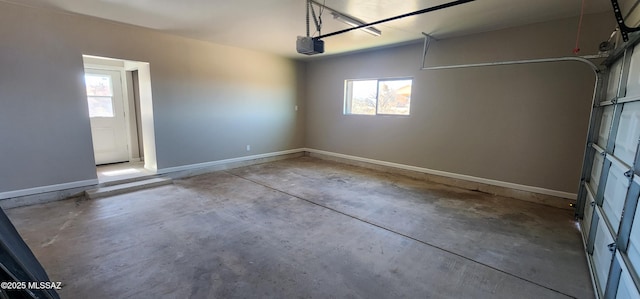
(378, 96)
(99, 95)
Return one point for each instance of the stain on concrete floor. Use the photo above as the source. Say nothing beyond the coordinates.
(306, 228)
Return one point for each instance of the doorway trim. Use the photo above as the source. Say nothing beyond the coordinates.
(146, 120)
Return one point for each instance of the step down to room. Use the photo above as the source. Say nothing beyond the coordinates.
(112, 189)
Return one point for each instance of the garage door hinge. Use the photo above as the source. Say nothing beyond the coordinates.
(612, 247)
(629, 173)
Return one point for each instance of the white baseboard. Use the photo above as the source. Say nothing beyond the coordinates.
(56, 191)
(49, 188)
(514, 186)
(227, 161)
(222, 163)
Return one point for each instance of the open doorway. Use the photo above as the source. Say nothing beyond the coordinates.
(111, 130)
(121, 117)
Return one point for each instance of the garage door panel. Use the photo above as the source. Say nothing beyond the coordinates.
(605, 126)
(633, 251)
(596, 171)
(633, 82)
(602, 255)
(626, 288)
(614, 194)
(588, 215)
(614, 79)
(628, 133)
(611, 217)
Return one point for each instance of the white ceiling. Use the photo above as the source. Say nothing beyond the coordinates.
(272, 25)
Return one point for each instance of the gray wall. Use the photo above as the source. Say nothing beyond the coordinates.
(520, 124)
(209, 101)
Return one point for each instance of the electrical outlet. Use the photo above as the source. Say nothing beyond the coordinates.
(295, 107)
(248, 147)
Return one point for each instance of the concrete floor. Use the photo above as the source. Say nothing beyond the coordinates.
(306, 228)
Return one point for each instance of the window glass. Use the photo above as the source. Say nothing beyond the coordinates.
(380, 96)
(99, 95)
(363, 97)
(100, 106)
(98, 85)
(394, 97)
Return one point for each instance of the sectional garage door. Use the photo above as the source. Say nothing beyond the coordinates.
(608, 197)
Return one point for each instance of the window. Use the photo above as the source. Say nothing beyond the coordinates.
(99, 95)
(378, 96)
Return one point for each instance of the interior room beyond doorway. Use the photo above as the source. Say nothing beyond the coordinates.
(121, 117)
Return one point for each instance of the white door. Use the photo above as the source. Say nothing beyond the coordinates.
(106, 110)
